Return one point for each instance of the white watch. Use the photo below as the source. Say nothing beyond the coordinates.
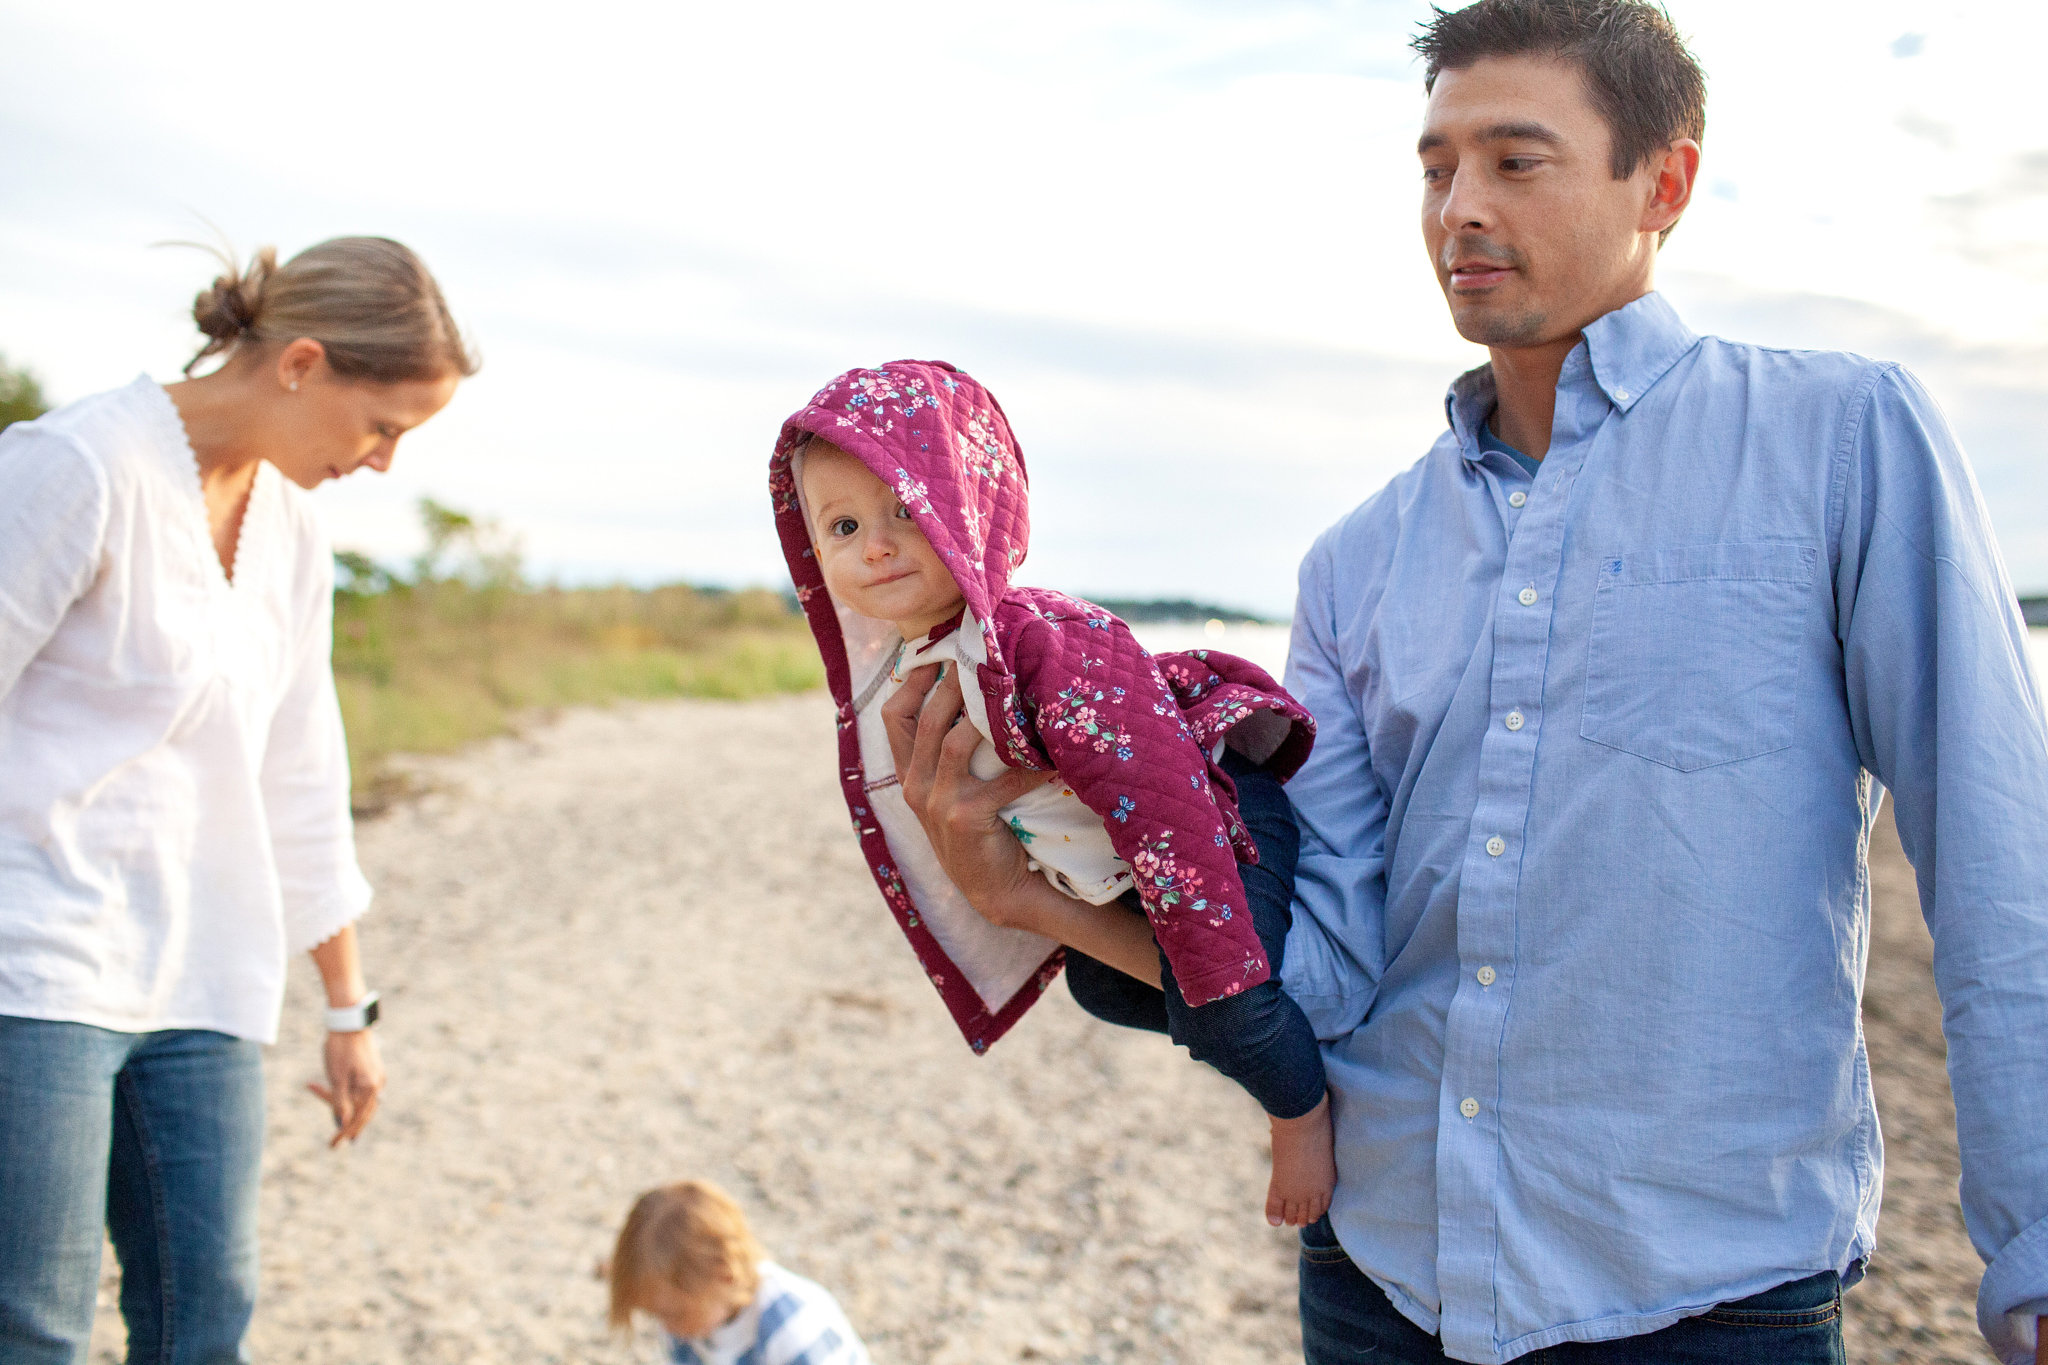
(353, 1018)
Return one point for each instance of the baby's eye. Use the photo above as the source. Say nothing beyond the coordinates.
(902, 511)
(845, 526)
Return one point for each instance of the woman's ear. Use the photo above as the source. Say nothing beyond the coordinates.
(297, 360)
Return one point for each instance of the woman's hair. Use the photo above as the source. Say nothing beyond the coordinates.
(691, 1235)
(368, 300)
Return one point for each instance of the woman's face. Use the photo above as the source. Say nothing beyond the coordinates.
(329, 427)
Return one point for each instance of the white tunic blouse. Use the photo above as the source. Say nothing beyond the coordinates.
(174, 784)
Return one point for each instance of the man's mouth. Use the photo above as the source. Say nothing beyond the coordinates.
(1478, 274)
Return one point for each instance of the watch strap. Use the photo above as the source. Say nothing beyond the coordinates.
(354, 1018)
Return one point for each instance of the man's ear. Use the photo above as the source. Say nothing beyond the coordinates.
(1671, 181)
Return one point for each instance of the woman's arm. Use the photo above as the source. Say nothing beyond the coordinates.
(976, 848)
(54, 507)
(355, 1072)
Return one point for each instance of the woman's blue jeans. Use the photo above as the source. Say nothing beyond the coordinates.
(1346, 1317)
(158, 1139)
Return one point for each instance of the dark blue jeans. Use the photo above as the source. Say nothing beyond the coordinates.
(156, 1137)
(1346, 1317)
(1258, 1037)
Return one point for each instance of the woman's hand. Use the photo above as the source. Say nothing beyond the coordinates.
(355, 1073)
(961, 815)
(932, 744)
(355, 1078)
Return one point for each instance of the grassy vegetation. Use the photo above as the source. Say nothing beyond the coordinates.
(430, 664)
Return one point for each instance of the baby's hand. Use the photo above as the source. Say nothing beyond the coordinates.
(1304, 1168)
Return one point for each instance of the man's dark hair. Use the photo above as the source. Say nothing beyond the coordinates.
(1644, 82)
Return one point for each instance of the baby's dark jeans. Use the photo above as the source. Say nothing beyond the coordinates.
(1258, 1037)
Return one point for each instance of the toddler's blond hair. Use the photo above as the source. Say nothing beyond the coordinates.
(691, 1235)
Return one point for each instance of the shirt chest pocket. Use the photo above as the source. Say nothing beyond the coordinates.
(1694, 651)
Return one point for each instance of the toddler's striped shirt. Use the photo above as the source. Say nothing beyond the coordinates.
(792, 1321)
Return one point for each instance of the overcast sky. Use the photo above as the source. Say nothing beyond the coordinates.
(1178, 238)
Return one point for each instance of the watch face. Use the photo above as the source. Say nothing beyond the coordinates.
(370, 1012)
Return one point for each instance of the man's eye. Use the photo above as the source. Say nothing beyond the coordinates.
(1516, 164)
(1432, 174)
(845, 526)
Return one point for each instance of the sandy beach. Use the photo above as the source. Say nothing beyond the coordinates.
(638, 944)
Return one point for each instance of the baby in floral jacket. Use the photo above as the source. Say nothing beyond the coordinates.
(901, 501)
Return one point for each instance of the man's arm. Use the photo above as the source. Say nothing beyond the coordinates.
(1945, 712)
(1335, 949)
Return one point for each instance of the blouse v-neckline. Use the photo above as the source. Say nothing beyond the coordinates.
(223, 577)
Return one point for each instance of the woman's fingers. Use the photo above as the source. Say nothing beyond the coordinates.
(366, 1107)
(943, 709)
(899, 713)
(355, 1078)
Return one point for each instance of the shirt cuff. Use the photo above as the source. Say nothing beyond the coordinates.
(311, 923)
(2014, 1290)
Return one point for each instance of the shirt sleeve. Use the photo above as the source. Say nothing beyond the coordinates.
(1945, 712)
(54, 508)
(306, 782)
(1336, 947)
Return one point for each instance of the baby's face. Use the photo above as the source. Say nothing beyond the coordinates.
(874, 558)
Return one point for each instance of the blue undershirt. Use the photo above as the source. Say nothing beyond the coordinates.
(1489, 441)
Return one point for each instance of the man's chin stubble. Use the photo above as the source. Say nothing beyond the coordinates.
(1484, 327)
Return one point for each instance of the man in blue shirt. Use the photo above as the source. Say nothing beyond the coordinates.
(1609, 688)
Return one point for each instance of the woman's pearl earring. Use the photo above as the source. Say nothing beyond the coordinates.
(295, 386)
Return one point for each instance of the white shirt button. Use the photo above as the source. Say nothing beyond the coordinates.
(1517, 498)
(1528, 597)
(1486, 977)
(1496, 846)
(1514, 720)
(1621, 395)
(1469, 1108)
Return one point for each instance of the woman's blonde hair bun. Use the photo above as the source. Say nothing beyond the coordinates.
(368, 300)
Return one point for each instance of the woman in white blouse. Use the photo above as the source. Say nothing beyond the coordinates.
(174, 811)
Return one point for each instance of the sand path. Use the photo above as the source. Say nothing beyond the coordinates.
(639, 944)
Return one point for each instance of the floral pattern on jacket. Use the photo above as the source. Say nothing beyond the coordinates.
(1066, 684)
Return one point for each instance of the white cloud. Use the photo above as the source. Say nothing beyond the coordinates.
(1178, 239)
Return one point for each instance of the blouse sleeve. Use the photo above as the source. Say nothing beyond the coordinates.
(54, 508)
(306, 782)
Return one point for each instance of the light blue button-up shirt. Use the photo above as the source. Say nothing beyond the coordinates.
(1583, 902)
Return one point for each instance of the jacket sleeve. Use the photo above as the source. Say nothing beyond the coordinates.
(305, 776)
(1100, 709)
(54, 510)
(1946, 713)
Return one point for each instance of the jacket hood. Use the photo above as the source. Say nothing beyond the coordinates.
(941, 441)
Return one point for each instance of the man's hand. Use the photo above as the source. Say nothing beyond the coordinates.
(932, 744)
(355, 1078)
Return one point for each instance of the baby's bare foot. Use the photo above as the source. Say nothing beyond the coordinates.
(1304, 1168)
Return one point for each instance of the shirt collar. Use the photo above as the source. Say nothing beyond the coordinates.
(1623, 354)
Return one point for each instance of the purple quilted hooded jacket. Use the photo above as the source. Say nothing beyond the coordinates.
(1066, 687)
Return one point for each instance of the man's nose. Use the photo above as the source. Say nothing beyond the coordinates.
(1466, 208)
